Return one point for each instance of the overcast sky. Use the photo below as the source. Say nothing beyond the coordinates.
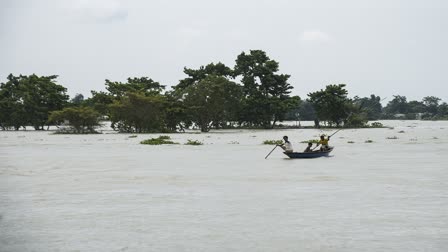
(384, 47)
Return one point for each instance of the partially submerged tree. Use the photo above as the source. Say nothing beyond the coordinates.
(370, 105)
(331, 104)
(81, 120)
(134, 112)
(28, 100)
(212, 101)
(266, 92)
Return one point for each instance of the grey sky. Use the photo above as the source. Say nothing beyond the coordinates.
(384, 47)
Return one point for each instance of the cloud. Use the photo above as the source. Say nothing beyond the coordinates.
(100, 10)
(314, 35)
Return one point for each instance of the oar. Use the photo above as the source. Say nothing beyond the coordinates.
(271, 152)
(335, 132)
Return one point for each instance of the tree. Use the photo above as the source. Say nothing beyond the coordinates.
(195, 75)
(398, 105)
(28, 100)
(266, 93)
(100, 101)
(431, 103)
(442, 111)
(81, 119)
(142, 85)
(331, 103)
(416, 107)
(307, 111)
(135, 112)
(212, 102)
(370, 105)
(77, 100)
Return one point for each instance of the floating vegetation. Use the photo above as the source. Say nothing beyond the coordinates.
(158, 141)
(132, 136)
(401, 131)
(234, 142)
(394, 137)
(273, 142)
(368, 141)
(311, 141)
(193, 142)
(350, 142)
(435, 138)
(413, 139)
(376, 125)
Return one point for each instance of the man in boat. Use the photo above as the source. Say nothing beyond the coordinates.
(324, 143)
(287, 146)
(308, 149)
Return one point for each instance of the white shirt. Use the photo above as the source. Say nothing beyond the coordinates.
(288, 147)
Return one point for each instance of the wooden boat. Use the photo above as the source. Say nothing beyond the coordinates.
(314, 154)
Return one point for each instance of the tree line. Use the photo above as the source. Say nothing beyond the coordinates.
(251, 94)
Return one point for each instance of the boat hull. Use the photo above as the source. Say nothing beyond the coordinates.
(308, 154)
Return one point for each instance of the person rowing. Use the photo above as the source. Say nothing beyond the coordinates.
(324, 143)
(287, 146)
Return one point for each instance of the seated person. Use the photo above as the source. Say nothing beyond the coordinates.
(287, 146)
(308, 149)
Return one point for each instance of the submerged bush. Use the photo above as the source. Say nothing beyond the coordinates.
(193, 142)
(394, 137)
(81, 120)
(158, 141)
(376, 125)
(273, 142)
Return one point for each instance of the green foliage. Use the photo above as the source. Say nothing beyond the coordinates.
(306, 111)
(158, 141)
(77, 100)
(82, 120)
(357, 117)
(266, 92)
(212, 101)
(376, 125)
(28, 100)
(370, 105)
(193, 142)
(273, 142)
(100, 101)
(398, 105)
(431, 103)
(314, 141)
(194, 76)
(331, 104)
(369, 141)
(142, 85)
(350, 142)
(135, 112)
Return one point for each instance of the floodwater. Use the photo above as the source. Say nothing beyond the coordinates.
(109, 193)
